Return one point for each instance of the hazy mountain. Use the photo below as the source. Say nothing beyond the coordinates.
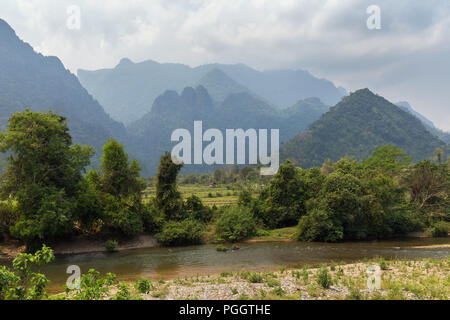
(219, 85)
(128, 90)
(444, 136)
(356, 126)
(171, 111)
(29, 79)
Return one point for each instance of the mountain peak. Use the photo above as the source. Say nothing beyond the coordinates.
(125, 62)
(356, 126)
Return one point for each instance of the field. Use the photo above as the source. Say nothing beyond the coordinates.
(219, 196)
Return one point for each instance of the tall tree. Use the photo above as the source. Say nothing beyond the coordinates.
(168, 200)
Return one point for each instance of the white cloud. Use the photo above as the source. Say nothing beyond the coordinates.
(406, 60)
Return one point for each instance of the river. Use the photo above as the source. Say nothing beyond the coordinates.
(167, 263)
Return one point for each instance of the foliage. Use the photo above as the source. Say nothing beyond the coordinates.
(324, 278)
(195, 209)
(119, 189)
(283, 200)
(21, 282)
(168, 200)
(143, 286)
(111, 245)
(44, 173)
(235, 223)
(181, 233)
(358, 201)
(439, 229)
(92, 286)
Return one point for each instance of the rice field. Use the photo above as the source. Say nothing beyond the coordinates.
(219, 196)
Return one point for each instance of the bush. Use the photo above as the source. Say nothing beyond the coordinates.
(255, 278)
(235, 224)
(152, 219)
(111, 245)
(196, 210)
(439, 229)
(324, 278)
(221, 248)
(143, 286)
(181, 233)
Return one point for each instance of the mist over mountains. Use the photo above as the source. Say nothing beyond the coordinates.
(128, 90)
(154, 99)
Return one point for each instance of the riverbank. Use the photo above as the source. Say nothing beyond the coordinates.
(83, 244)
(426, 279)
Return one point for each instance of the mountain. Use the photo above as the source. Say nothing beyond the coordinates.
(356, 126)
(242, 110)
(128, 90)
(29, 79)
(219, 85)
(444, 136)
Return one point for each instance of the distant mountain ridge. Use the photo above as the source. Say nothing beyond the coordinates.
(172, 111)
(356, 126)
(128, 90)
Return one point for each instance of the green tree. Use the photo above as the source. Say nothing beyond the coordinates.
(283, 200)
(44, 174)
(168, 200)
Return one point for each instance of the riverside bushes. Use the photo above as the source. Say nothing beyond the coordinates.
(179, 233)
(235, 223)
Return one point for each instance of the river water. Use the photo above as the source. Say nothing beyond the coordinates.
(167, 263)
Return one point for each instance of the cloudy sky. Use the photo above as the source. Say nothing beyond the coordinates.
(407, 59)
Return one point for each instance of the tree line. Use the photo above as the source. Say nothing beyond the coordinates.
(48, 193)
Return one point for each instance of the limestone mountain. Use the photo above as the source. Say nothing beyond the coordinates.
(356, 126)
(128, 91)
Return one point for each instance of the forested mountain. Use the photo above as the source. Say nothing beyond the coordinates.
(444, 136)
(171, 111)
(128, 90)
(29, 79)
(356, 126)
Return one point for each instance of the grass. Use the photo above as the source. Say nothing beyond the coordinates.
(427, 279)
(283, 234)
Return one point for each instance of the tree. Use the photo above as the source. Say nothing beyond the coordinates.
(168, 200)
(429, 185)
(388, 158)
(284, 198)
(44, 174)
(120, 189)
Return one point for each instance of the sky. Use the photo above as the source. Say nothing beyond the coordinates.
(406, 59)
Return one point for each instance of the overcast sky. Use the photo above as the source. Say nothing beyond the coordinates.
(407, 59)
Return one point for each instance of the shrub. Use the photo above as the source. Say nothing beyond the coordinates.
(143, 286)
(21, 283)
(152, 219)
(180, 233)
(196, 210)
(235, 224)
(439, 229)
(111, 245)
(324, 278)
(221, 248)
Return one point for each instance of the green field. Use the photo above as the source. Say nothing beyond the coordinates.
(219, 196)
